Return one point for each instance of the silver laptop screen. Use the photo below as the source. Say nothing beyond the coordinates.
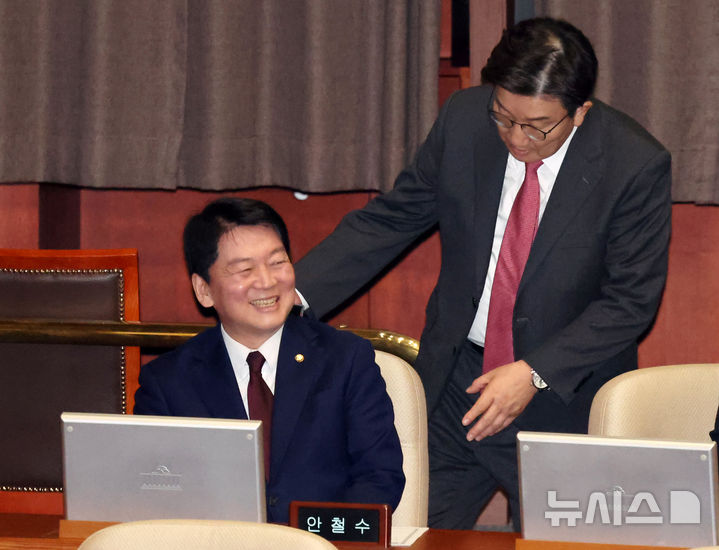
(124, 467)
(585, 488)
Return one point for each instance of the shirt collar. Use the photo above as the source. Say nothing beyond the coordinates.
(270, 349)
(553, 162)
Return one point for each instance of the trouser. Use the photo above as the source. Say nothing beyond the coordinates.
(464, 475)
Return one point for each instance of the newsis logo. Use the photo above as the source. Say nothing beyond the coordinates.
(161, 479)
(617, 507)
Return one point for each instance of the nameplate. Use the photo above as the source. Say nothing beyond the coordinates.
(349, 523)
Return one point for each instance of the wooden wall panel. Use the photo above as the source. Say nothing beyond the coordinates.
(487, 20)
(19, 206)
(60, 217)
(153, 221)
(398, 300)
(687, 326)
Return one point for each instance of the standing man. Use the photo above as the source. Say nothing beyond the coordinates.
(328, 424)
(553, 212)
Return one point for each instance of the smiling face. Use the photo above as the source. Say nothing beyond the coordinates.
(251, 286)
(542, 112)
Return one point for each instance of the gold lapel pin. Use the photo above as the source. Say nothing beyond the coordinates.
(299, 357)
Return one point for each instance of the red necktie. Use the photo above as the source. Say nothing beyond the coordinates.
(259, 400)
(517, 240)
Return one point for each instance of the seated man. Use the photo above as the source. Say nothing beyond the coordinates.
(329, 427)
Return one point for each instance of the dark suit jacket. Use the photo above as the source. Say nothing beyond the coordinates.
(594, 276)
(715, 432)
(333, 435)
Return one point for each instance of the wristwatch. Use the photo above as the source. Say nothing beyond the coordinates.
(537, 381)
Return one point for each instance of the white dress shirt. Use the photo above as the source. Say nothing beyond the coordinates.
(238, 353)
(513, 179)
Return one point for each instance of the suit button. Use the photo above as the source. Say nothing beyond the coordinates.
(272, 501)
(475, 301)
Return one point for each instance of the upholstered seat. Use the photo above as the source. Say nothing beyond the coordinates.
(669, 402)
(171, 534)
(410, 418)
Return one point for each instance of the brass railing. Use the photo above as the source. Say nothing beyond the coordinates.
(159, 335)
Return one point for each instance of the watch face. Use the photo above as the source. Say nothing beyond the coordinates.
(538, 382)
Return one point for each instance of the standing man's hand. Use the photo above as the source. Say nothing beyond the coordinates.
(505, 392)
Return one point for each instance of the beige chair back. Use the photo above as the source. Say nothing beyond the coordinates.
(177, 534)
(410, 418)
(670, 402)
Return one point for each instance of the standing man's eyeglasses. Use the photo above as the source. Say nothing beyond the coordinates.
(533, 133)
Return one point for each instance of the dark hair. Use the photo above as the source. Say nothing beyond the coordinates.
(204, 230)
(544, 56)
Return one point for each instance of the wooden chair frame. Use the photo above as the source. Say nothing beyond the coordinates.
(48, 500)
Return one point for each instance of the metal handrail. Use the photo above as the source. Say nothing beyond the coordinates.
(159, 335)
(107, 333)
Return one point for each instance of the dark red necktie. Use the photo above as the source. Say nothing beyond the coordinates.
(517, 240)
(259, 400)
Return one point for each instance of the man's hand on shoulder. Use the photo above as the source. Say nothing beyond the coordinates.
(505, 393)
(301, 307)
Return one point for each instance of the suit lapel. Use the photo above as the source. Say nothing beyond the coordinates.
(215, 380)
(582, 169)
(491, 158)
(299, 366)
